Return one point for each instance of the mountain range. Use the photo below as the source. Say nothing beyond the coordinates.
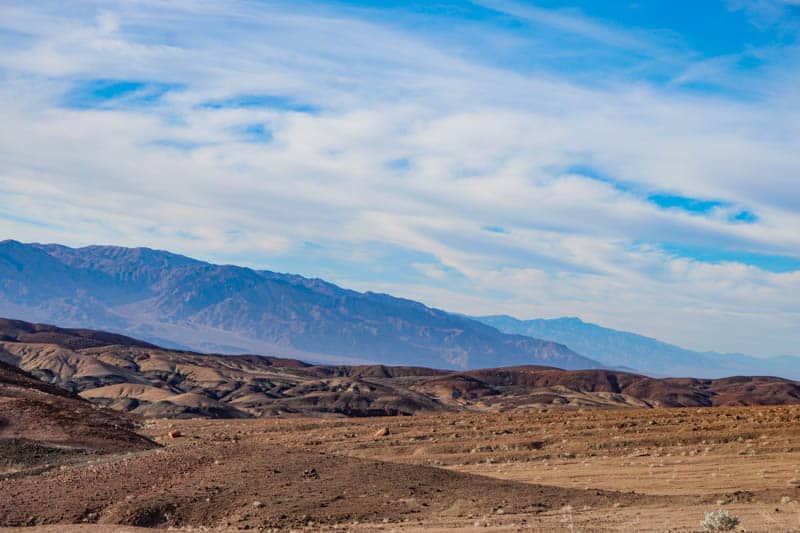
(622, 349)
(182, 303)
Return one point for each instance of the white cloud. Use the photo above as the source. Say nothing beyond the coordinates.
(431, 270)
(484, 146)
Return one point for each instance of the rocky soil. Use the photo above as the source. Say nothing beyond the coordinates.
(598, 470)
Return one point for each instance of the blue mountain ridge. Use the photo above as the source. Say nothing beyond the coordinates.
(180, 302)
(645, 354)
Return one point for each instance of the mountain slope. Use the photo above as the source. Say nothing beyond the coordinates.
(179, 302)
(624, 349)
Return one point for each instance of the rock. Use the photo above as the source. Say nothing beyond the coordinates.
(257, 504)
(382, 432)
(175, 434)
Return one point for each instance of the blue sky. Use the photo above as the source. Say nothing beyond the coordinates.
(634, 163)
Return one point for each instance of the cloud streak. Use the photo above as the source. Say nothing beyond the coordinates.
(339, 145)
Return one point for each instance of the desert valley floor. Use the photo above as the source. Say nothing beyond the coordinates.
(100, 432)
(582, 470)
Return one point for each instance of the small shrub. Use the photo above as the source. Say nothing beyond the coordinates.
(720, 520)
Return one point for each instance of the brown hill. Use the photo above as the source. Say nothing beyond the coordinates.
(160, 383)
(74, 339)
(622, 387)
(39, 421)
(127, 375)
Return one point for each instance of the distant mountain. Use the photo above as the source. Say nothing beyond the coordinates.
(622, 349)
(182, 303)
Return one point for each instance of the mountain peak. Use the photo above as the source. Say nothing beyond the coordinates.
(167, 298)
(569, 320)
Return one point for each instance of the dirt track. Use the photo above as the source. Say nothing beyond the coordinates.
(556, 471)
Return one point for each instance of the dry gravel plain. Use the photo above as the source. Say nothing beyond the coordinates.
(537, 470)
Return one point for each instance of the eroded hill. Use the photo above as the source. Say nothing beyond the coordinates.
(41, 423)
(130, 376)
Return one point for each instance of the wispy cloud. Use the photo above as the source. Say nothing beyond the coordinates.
(342, 143)
(571, 20)
(766, 13)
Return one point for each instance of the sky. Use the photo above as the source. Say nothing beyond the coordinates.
(633, 163)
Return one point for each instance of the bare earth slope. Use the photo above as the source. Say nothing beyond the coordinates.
(154, 382)
(652, 470)
(40, 422)
(252, 483)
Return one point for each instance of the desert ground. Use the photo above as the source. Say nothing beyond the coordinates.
(104, 433)
(539, 470)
